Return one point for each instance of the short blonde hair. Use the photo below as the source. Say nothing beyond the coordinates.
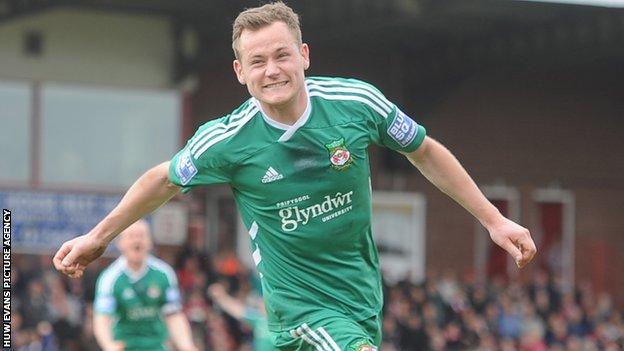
(258, 17)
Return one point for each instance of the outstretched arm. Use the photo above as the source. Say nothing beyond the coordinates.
(148, 193)
(442, 169)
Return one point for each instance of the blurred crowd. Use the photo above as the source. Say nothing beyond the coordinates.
(446, 313)
(53, 313)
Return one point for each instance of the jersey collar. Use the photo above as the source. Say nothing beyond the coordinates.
(134, 275)
(289, 131)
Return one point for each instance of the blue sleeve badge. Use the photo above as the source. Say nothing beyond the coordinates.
(173, 295)
(185, 169)
(403, 129)
(105, 304)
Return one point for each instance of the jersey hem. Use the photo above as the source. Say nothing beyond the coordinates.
(277, 327)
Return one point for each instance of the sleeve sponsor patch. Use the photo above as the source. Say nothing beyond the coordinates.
(173, 295)
(185, 169)
(403, 129)
(105, 304)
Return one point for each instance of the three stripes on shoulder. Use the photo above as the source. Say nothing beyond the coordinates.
(324, 88)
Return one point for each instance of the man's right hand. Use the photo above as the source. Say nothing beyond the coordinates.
(74, 256)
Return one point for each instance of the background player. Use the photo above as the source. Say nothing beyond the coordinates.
(134, 294)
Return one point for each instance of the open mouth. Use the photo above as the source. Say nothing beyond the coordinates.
(276, 85)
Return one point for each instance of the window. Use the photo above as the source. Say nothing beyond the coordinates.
(15, 122)
(93, 137)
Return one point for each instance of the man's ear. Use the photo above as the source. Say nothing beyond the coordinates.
(305, 53)
(238, 69)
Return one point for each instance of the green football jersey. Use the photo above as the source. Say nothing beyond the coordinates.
(304, 194)
(137, 301)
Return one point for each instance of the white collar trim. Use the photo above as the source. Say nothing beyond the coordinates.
(134, 275)
(289, 131)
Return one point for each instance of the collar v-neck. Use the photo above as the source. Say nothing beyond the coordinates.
(289, 130)
(135, 276)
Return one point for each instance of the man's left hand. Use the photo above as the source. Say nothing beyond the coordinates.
(515, 239)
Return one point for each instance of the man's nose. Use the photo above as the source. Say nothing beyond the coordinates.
(272, 68)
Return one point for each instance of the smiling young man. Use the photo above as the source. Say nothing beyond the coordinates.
(295, 156)
(272, 63)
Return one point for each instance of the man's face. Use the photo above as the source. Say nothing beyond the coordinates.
(271, 63)
(135, 243)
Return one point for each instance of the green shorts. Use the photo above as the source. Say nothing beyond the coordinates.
(331, 332)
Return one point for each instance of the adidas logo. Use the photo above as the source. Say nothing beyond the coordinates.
(271, 175)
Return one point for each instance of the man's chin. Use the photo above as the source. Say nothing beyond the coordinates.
(137, 259)
(275, 101)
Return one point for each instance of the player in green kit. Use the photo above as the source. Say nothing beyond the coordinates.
(295, 156)
(132, 297)
(311, 243)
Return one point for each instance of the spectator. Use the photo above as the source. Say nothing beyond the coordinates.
(509, 321)
(64, 312)
(413, 334)
(194, 259)
(196, 310)
(34, 306)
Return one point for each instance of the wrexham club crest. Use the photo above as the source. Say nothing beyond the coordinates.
(339, 156)
(362, 345)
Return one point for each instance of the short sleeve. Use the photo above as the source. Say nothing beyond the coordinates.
(387, 125)
(397, 131)
(172, 302)
(390, 126)
(198, 163)
(104, 302)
